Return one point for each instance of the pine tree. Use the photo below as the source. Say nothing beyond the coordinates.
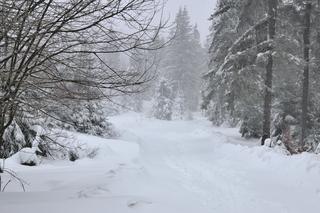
(184, 60)
(199, 65)
(222, 35)
(242, 28)
(233, 54)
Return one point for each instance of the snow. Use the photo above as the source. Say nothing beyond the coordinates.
(28, 156)
(318, 149)
(169, 166)
(290, 120)
(268, 142)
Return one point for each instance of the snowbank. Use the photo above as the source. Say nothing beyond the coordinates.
(177, 166)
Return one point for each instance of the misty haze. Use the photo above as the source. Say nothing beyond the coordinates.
(159, 106)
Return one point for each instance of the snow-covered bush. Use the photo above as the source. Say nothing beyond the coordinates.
(42, 133)
(28, 157)
(64, 146)
(14, 140)
(18, 135)
(28, 134)
(85, 117)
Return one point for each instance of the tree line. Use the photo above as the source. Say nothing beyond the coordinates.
(264, 70)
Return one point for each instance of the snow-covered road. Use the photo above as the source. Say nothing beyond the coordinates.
(172, 167)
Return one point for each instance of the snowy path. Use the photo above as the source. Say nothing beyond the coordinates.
(182, 166)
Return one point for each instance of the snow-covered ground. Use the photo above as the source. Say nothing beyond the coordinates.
(172, 167)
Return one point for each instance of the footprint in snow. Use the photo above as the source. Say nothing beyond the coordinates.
(111, 173)
(137, 203)
(92, 192)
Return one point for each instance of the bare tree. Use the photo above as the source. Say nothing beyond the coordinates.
(41, 39)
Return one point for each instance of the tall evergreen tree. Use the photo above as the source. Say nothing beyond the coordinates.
(237, 43)
(183, 61)
(272, 14)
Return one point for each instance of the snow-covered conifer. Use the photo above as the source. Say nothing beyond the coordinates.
(163, 101)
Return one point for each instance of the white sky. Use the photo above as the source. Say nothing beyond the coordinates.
(199, 10)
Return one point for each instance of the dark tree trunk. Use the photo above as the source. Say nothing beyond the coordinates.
(305, 90)
(272, 13)
(2, 129)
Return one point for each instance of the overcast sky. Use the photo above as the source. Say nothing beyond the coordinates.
(200, 11)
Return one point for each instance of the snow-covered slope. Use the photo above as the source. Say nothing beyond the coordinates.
(172, 167)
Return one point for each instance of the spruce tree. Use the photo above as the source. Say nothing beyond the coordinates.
(184, 60)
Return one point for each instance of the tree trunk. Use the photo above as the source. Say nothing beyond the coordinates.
(272, 13)
(305, 90)
(2, 129)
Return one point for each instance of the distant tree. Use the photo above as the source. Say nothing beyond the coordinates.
(179, 111)
(163, 102)
(184, 60)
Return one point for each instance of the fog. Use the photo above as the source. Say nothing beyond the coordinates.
(119, 106)
(199, 10)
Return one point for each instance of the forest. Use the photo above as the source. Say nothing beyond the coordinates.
(114, 105)
(265, 64)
